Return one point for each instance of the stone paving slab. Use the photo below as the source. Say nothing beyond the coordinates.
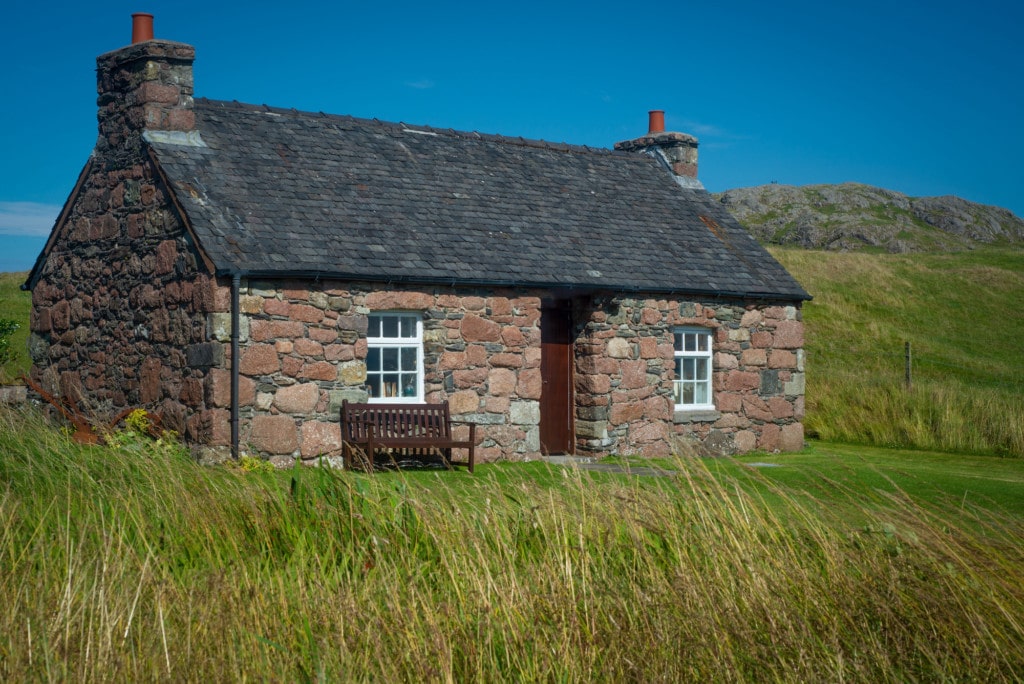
(13, 394)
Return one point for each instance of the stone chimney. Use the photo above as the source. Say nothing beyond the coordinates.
(145, 86)
(676, 151)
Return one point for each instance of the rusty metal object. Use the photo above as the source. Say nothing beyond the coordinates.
(89, 430)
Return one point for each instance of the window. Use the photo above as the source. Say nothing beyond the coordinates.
(693, 369)
(394, 357)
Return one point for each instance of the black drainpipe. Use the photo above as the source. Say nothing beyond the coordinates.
(235, 287)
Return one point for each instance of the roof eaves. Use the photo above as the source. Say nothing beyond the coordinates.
(582, 287)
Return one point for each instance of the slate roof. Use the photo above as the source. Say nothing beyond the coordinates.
(280, 192)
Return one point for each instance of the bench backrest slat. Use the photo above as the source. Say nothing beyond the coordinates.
(395, 420)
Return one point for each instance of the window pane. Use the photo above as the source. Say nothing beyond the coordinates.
(701, 393)
(678, 341)
(408, 385)
(689, 369)
(679, 369)
(702, 342)
(390, 359)
(373, 359)
(373, 385)
(408, 326)
(409, 358)
(390, 384)
(677, 392)
(373, 326)
(702, 369)
(389, 326)
(688, 393)
(691, 342)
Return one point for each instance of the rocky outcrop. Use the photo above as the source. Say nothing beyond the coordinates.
(851, 216)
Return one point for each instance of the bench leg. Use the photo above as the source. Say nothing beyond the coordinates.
(369, 452)
(356, 457)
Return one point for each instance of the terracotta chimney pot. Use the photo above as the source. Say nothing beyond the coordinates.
(656, 118)
(142, 27)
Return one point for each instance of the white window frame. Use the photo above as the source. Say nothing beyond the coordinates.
(699, 356)
(380, 346)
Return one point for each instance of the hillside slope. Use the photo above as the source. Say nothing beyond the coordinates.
(959, 313)
(851, 216)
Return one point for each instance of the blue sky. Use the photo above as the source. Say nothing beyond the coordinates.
(923, 98)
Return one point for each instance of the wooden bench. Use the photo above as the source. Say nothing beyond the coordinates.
(410, 430)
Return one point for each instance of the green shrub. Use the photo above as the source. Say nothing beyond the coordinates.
(139, 436)
(15, 305)
(7, 329)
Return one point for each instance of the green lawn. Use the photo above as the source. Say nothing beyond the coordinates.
(864, 481)
(934, 477)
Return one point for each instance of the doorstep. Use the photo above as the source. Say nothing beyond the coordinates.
(568, 459)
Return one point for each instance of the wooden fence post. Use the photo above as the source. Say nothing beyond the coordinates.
(906, 363)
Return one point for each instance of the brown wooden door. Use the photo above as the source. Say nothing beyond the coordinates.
(557, 433)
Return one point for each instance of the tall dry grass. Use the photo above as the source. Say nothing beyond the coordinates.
(119, 566)
(939, 415)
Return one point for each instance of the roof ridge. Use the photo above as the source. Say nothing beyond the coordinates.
(421, 128)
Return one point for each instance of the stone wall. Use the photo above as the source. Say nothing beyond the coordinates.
(119, 308)
(131, 320)
(625, 368)
(303, 350)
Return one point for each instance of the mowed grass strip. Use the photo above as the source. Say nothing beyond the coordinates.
(937, 478)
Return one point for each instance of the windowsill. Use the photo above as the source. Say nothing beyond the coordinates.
(696, 416)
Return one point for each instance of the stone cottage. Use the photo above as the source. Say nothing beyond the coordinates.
(243, 269)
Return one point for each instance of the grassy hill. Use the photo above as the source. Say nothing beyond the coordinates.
(962, 315)
(960, 311)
